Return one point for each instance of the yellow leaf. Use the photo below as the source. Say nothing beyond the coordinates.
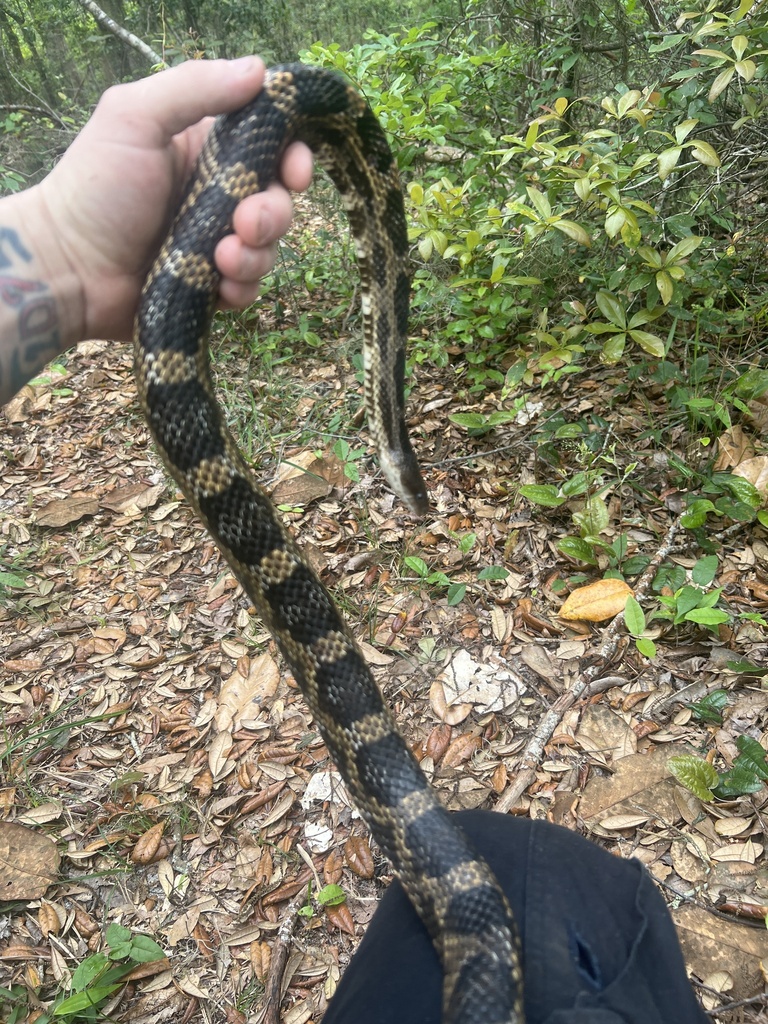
(596, 602)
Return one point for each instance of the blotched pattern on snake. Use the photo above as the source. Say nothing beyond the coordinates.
(453, 891)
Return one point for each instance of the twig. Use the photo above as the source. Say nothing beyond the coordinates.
(534, 749)
(273, 989)
(123, 34)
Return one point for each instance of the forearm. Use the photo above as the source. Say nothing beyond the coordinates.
(41, 301)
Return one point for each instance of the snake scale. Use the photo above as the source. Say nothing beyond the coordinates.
(452, 889)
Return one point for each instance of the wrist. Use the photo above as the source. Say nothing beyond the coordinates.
(41, 298)
(53, 266)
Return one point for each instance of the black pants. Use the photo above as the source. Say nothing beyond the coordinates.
(599, 946)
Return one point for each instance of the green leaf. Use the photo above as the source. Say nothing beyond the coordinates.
(578, 549)
(668, 161)
(754, 755)
(720, 83)
(740, 488)
(705, 570)
(737, 782)
(711, 707)
(666, 286)
(540, 202)
(611, 308)
(613, 349)
(144, 950)
(695, 773)
(456, 593)
(87, 971)
(705, 154)
(645, 646)
(417, 565)
(650, 343)
(574, 231)
(472, 421)
(683, 248)
(707, 616)
(83, 1001)
(545, 495)
(331, 896)
(697, 513)
(634, 617)
(493, 572)
(9, 579)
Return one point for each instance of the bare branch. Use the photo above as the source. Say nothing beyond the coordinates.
(123, 34)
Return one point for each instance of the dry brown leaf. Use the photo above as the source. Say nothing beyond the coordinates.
(617, 822)
(373, 655)
(260, 956)
(243, 695)
(333, 867)
(438, 742)
(341, 918)
(40, 814)
(450, 714)
(461, 749)
(499, 623)
(147, 845)
(733, 447)
(713, 944)
(357, 852)
(204, 942)
(605, 734)
(596, 602)
(69, 510)
(48, 919)
(640, 783)
(218, 753)
(758, 413)
(18, 409)
(137, 496)
(29, 862)
(306, 478)
(730, 827)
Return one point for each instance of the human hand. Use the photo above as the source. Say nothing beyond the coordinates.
(110, 200)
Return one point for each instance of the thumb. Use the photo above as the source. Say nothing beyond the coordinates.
(173, 100)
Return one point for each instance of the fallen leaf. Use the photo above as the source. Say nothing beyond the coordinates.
(640, 783)
(596, 602)
(29, 861)
(242, 696)
(341, 917)
(712, 944)
(605, 734)
(147, 845)
(358, 854)
(68, 510)
(734, 447)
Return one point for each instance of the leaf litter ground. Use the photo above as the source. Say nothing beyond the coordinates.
(150, 733)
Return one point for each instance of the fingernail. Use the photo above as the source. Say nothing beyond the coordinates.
(244, 65)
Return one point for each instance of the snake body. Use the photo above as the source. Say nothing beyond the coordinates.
(453, 891)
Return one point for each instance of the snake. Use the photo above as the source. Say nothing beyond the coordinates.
(452, 889)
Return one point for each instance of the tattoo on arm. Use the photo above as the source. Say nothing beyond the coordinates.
(37, 335)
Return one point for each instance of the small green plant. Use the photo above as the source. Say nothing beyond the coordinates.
(97, 978)
(329, 896)
(634, 620)
(747, 775)
(693, 602)
(710, 708)
(454, 592)
(349, 458)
